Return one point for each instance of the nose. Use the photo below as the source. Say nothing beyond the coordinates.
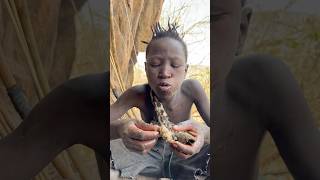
(165, 72)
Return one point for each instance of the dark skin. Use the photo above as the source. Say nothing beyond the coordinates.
(166, 69)
(74, 113)
(253, 95)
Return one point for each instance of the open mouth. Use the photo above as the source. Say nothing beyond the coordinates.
(163, 86)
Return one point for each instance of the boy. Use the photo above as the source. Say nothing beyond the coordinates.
(253, 95)
(166, 68)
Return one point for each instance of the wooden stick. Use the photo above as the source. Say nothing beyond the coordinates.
(17, 24)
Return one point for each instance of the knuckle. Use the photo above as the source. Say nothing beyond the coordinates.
(141, 135)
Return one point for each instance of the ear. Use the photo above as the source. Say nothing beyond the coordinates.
(145, 67)
(246, 14)
(186, 69)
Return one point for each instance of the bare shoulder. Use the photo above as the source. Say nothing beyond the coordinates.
(137, 91)
(190, 84)
(253, 78)
(192, 88)
(90, 87)
(134, 96)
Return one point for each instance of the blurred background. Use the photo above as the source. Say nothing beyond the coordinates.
(43, 43)
(290, 31)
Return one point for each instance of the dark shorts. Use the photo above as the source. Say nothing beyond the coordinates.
(159, 162)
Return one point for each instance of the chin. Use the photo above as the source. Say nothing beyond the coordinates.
(165, 95)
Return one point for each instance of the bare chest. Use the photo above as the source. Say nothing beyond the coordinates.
(180, 112)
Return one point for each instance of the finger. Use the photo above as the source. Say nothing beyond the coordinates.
(193, 133)
(140, 146)
(185, 127)
(181, 154)
(139, 134)
(149, 144)
(147, 127)
(130, 146)
(185, 149)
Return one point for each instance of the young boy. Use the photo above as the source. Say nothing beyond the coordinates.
(141, 151)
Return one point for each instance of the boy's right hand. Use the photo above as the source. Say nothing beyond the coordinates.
(139, 136)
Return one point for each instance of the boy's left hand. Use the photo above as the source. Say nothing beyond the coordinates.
(183, 150)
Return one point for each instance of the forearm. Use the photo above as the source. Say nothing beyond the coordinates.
(24, 154)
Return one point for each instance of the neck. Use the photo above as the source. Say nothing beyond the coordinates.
(170, 103)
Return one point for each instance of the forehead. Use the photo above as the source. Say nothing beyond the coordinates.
(166, 46)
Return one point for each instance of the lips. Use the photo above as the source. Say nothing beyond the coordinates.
(164, 86)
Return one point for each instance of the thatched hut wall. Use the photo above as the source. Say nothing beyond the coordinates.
(131, 23)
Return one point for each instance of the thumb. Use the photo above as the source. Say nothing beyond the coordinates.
(147, 127)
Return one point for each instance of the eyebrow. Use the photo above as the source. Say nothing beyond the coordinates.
(176, 58)
(154, 56)
(161, 57)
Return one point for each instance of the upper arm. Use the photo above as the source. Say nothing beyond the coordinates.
(128, 100)
(200, 99)
(265, 85)
(291, 123)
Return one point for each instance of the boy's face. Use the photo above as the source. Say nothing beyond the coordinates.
(165, 67)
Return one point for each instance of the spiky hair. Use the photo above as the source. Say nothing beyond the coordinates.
(159, 32)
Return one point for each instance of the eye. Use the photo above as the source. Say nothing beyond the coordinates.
(154, 64)
(176, 65)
